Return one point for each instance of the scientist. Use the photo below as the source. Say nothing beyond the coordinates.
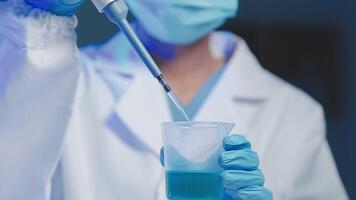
(85, 124)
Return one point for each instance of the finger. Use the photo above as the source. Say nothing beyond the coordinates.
(249, 193)
(236, 142)
(244, 159)
(237, 179)
(69, 2)
(70, 6)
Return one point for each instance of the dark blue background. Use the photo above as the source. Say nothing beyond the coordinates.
(309, 43)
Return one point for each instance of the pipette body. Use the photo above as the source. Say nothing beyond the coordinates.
(116, 11)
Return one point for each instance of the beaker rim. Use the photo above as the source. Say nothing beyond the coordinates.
(197, 123)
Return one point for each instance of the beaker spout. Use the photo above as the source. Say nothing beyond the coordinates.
(229, 127)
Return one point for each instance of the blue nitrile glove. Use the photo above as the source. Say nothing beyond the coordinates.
(242, 179)
(57, 7)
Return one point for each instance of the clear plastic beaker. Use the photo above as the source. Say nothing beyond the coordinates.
(191, 151)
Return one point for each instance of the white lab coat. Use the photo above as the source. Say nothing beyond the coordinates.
(81, 128)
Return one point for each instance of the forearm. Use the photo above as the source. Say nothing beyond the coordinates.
(39, 68)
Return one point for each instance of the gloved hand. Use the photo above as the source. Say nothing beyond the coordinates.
(242, 179)
(57, 7)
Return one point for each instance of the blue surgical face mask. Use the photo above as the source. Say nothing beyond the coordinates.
(181, 22)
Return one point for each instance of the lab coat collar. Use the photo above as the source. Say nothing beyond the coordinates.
(143, 108)
(244, 76)
(242, 90)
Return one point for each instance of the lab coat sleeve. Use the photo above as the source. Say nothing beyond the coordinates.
(39, 69)
(315, 175)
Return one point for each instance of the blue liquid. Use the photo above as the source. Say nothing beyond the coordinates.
(193, 185)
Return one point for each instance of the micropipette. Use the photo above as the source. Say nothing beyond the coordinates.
(116, 11)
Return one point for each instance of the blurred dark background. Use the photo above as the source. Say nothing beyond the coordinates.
(312, 44)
